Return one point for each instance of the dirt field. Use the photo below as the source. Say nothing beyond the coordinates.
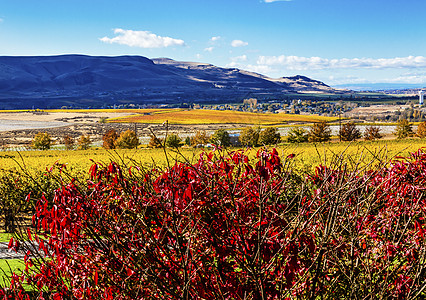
(76, 124)
(376, 110)
(66, 117)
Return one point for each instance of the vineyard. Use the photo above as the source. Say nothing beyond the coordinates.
(307, 155)
(189, 117)
(201, 116)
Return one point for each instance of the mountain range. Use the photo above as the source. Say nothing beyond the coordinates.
(101, 81)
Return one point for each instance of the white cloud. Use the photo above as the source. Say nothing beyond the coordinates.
(408, 79)
(1, 20)
(240, 63)
(198, 56)
(238, 43)
(215, 38)
(270, 1)
(413, 79)
(209, 49)
(414, 73)
(142, 39)
(236, 62)
(239, 58)
(318, 63)
(348, 79)
(233, 64)
(259, 69)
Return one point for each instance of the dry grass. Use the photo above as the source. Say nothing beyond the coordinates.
(308, 155)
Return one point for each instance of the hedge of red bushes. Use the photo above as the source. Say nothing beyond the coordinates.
(226, 227)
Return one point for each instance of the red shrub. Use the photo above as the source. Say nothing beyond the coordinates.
(231, 229)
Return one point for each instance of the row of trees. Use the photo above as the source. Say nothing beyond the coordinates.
(221, 138)
(172, 141)
(405, 129)
(111, 140)
(249, 136)
(253, 136)
(44, 141)
(321, 132)
(126, 140)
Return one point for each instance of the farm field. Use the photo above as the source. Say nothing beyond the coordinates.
(188, 117)
(18, 127)
(72, 115)
(111, 110)
(8, 265)
(307, 155)
(173, 116)
(77, 161)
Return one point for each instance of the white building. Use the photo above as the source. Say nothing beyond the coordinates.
(421, 97)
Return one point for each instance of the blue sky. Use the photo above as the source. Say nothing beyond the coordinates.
(336, 41)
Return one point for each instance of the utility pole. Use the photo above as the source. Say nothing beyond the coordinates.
(136, 133)
(340, 125)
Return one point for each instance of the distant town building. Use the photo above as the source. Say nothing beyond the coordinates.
(421, 96)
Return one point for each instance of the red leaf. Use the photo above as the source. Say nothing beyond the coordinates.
(130, 272)
(29, 234)
(419, 227)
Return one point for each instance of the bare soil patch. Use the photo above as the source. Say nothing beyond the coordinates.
(375, 110)
(77, 124)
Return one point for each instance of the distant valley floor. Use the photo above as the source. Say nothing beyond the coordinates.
(75, 124)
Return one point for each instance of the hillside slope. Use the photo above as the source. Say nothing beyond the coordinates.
(98, 81)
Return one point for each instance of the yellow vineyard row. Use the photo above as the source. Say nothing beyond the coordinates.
(201, 116)
(307, 155)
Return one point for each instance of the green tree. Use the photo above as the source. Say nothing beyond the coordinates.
(249, 136)
(403, 129)
(173, 141)
(297, 135)
(84, 142)
(127, 140)
(320, 132)
(221, 138)
(109, 139)
(269, 136)
(188, 141)
(349, 132)
(372, 133)
(42, 141)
